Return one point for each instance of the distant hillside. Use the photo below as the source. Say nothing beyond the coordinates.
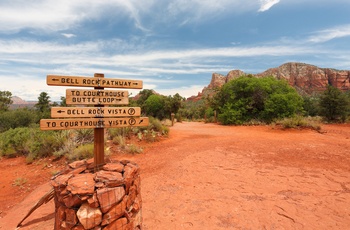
(304, 77)
(20, 103)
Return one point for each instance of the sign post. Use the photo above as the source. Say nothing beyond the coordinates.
(98, 117)
(99, 140)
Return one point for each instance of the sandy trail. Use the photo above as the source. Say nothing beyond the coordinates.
(206, 176)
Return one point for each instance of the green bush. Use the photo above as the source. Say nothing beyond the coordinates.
(17, 118)
(81, 152)
(134, 149)
(84, 136)
(154, 106)
(15, 142)
(150, 135)
(119, 140)
(249, 98)
(125, 132)
(155, 124)
(209, 115)
(300, 122)
(334, 105)
(29, 142)
(311, 105)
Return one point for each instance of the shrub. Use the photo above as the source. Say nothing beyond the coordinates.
(67, 143)
(84, 136)
(334, 105)
(249, 98)
(125, 132)
(15, 142)
(155, 124)
(119, 140)
(82, 152)
(150, 135)
(134, 149)
(300, 122)
(17, 118)
(29, 142)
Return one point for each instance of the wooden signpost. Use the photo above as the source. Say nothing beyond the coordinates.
(97, 97)
(84, 123)
(67, 112)
(97, 81)
(97, 117)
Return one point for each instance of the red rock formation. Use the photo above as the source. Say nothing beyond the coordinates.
(310, 78)
(306, 78)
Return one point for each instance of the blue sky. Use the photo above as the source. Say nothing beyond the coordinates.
(173, 46)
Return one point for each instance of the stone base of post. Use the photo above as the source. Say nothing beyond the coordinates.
(108, 199)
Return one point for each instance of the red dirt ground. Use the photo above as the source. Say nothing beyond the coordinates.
(207, 176)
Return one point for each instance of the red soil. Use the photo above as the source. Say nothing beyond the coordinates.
(207, 176)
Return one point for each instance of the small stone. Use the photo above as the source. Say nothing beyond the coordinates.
(64, 226)
(89, 217)
(136, 206)
(131, 196)
(61, 180)
(78, 170)
(108, 197)
(78, 227)
(115, 212)
(130, 171)
(72, 201)
(136, 221)
(77, 164)
(137, 183)
(71, 218)
(99, 185)
(120, 224)
(82, 184)
(60, 214)
(117, 167)
(64, 192)
(93, 202)
(109, 178)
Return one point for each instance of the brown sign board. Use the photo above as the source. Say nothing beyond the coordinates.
(59, 80)
(85, 123)
(67, 112)
(96, 97)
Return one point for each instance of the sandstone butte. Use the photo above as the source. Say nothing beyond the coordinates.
(305, 78)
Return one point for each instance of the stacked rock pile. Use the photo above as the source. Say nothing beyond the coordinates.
(107, 199)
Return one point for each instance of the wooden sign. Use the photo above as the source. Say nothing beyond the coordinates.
(97, 117)
(66, 112)
(59, 80)
(96, 97)
(85, 123)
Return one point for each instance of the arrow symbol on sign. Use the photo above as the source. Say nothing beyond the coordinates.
(135, 83)
(61, 111)
(55, 79)
(141, 121)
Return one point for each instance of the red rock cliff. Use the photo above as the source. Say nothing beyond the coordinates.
(308, 78)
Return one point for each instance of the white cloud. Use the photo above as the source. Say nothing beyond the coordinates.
(139, 62)
(68, 35)
(267, 4)
(330, 34)
(45, 15)
(52, 15)
(199, 11)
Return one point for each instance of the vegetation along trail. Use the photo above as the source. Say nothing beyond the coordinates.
(207, 176)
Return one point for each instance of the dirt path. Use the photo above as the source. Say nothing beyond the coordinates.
(206, 176)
